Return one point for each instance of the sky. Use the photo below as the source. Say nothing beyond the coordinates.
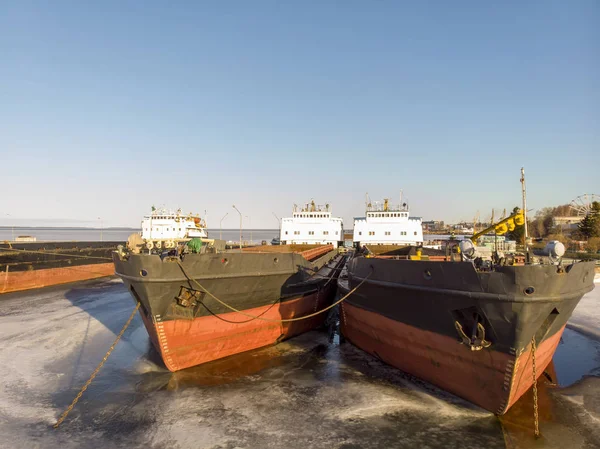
(108, 108)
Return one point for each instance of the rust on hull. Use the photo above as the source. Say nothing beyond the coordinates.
(186, 343)
(491, 379)
(24, 280)
(189, 327)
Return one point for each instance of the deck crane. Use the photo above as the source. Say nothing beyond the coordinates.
(503, 226)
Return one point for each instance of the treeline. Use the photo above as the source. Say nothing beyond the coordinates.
(542, 224)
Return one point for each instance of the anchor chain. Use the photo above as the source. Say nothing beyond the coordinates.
(270, 320)
(535, 392)
(89, 381)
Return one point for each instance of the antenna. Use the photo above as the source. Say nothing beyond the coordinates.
(523, 188)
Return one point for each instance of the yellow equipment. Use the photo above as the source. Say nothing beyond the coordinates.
(503, 226)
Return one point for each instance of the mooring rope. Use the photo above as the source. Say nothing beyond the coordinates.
(257, 317)
(89, 381)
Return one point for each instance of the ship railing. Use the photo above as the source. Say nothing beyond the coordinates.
(314, 253)
(413, 257)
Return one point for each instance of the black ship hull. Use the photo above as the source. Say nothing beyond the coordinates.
(189, 327)
(414, 313)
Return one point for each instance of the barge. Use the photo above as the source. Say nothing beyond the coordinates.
(27, 265)
(201, 302)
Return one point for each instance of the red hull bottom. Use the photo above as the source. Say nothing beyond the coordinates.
(490, 379)
(184, 343)
(24, 280)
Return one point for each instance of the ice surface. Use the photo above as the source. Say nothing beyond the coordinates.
(586, 317)
(304, 393)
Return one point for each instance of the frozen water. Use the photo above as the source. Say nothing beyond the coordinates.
(303, 393)
(586, 318)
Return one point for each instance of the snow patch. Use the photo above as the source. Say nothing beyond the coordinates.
(586, 316)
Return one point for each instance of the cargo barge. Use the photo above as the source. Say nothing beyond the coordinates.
(200, 301)
(477, 328)
(27, 265)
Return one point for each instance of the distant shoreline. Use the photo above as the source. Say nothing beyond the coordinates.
(116, 228)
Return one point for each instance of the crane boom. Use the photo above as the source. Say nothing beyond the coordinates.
(517, 218)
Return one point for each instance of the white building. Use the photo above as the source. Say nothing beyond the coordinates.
(163, 225)
(384, 224)
(312, 224)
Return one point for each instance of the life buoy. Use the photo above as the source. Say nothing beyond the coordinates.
(149, 245)
(158, 244)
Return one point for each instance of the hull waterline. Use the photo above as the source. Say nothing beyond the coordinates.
(494, 382)
(189, 327)
(469, 332)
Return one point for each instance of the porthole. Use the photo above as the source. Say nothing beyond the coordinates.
(529, 291)
(276, 260)
(427, 274)
(143, 273)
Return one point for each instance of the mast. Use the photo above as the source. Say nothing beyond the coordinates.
(524, 191)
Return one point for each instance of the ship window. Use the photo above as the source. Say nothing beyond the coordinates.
(325, 232)
(311, 232)
(415, 232)
(286, 233)
(359, 232)
(371, 232)
(387, 232)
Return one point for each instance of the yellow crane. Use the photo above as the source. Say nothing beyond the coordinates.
(503, 226)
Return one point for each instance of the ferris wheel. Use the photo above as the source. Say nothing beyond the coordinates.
(582, 205)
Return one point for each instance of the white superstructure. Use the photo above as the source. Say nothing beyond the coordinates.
(384, 224)
(312, 224)
(168, 226)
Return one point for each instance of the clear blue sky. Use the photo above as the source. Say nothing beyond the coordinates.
(109, 107)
